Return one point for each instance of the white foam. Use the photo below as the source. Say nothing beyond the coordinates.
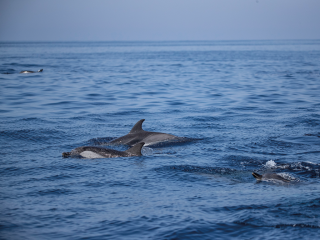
(287, 176)
(312, 163)
(89, 154)
(270, 164)
(146, 151)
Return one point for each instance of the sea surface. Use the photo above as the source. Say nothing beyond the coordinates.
(245, 106)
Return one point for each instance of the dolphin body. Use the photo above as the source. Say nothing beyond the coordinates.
(27, 71)
(98, 152)
(269, 177)
(137, 135)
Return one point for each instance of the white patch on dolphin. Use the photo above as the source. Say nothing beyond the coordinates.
(27, 71)
(90, 154)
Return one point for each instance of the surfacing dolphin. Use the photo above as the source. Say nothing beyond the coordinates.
(269, 177)
(137, 134)
(99, 152)
(27, 71)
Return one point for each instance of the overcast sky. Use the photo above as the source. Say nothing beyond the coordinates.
(100, 20)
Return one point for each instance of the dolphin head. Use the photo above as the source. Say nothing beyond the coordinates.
(257, 176)
(66, 154)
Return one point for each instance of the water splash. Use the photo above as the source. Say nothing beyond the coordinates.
(270, 164)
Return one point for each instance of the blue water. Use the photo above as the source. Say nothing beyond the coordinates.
(245, 106)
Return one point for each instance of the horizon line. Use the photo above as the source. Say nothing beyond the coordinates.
(229, 40)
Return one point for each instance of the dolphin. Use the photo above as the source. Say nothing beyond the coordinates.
(27, 71)
(137, 135)
(269, 176)
(99, 152)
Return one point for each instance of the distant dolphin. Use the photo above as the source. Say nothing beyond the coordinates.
(269, 176)
(98, 152)
(31, 71)
(137, 134)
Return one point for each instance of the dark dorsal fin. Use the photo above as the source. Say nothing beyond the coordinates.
(137, 127)
(136, 149)
(257, 176)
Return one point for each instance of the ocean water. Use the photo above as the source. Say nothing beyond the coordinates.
(244, 106)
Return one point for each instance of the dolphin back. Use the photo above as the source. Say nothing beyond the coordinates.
(136, 149)
(137, 135)
(269, 176)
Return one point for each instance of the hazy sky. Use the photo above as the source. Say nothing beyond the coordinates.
(99, 20)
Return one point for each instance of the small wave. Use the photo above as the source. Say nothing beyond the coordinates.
(54, 191)
(59, 103)
(306, 169)
(227, 173)
(301, 225)
(7, 71)
(174, 142)
(298, 225)
(313, 134)
(198, 169)
(22, 65)
(244, 162)
(5, 111)
(99, 141)
(298, 166)
(39, 136)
